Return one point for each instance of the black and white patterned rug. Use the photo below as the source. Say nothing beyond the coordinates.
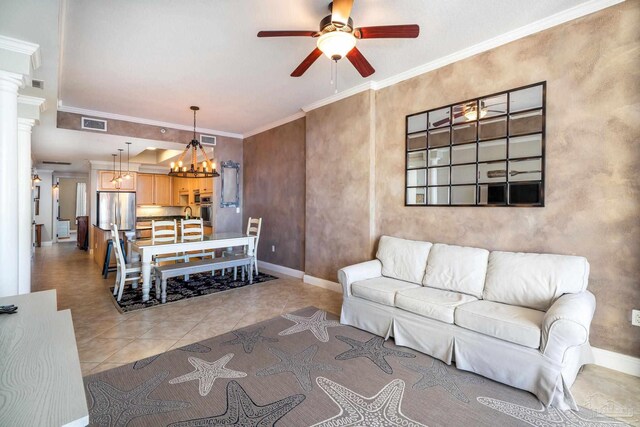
(306, 369)
(178, 289)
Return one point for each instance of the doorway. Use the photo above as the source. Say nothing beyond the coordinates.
(70, 202)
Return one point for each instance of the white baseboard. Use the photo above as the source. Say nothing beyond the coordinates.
(616, 361)
(48, 243)
(281, 269)
(322, 283)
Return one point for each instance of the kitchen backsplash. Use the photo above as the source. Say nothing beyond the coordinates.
(164, 211)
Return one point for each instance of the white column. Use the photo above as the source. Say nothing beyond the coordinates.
(9, 85)
(24, 204)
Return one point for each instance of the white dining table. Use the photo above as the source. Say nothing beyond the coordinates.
(148, 249)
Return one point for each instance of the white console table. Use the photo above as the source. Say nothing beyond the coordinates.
(40, 377)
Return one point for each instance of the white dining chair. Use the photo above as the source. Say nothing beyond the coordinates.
(254, 227)
(192, 230)
(165, 232)
(126, 272)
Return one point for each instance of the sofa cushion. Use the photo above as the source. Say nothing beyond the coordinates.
(403, 259)
(518, 325)
(433, 303)
(457, 268)
(534, 280)
(380, 289)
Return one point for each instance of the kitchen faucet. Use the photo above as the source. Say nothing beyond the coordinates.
(190, 214)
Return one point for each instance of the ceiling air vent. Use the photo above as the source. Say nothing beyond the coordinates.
(208, 140)
(94, 124)
(38, 84)
(51, 162)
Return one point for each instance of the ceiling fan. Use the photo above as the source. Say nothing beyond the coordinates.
(337, 38)
(470, 111)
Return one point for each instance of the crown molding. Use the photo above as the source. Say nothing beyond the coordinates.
(370, 85)
(275, 124)
(23, 47)
(113, 116)
(521, 32)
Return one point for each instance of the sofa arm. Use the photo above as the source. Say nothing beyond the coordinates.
(353, 273)
(566, 324)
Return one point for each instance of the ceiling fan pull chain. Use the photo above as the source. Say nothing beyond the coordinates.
(336, 78)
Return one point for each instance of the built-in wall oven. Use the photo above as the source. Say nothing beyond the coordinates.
(206, 210)
(196, 197)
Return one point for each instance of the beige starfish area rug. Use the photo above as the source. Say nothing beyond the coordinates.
(306, 369)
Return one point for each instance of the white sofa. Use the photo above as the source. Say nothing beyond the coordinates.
(518, 318)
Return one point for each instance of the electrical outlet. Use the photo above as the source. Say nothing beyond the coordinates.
(273, 248)
(635, 317)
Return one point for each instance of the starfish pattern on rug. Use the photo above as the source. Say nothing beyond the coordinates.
(249, 339)
(207, 372)
(439, 374)
(299, 364)
(195, 348)
(145, 362)
(115, 407)
(383, 409)
(373, 350)
(545, 416)
(317, 324)
(243, 411)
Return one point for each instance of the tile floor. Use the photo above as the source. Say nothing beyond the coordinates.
(107, 339)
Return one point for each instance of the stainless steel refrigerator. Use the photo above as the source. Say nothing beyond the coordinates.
(116, 207)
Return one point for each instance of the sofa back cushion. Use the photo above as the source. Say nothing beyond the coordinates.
(457, 268)
(403, 259)
(534, 280)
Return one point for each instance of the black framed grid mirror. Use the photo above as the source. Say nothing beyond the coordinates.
(487, 151)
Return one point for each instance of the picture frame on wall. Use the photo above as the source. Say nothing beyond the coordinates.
(36, 206)
(37, 193)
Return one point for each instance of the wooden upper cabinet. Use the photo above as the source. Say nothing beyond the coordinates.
(181, 190)
(104, 182)
(153, 190)
(162, 190)
(144, 190)
(205, 185)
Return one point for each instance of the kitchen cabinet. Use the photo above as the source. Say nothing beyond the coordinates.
(153, 190)
(207, 230)
(162, 190)
(144, 190)
(104, 182)
(182, 191)
(205, 185)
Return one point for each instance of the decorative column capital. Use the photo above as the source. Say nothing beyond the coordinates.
(10, 82)
(30, 107)
(25, 125)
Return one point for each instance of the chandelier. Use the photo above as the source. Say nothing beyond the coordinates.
(206, 169)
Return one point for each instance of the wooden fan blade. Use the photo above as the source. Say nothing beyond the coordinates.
(360, 62)
(388, 32)
(287, 33)
(340, 12)
(304, 65)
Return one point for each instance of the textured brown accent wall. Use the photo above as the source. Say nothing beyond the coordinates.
(339, 210)
(592, 199)
(274, 190)
(73, 121)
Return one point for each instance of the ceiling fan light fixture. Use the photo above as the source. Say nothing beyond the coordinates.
(472, 113)
(336, 44)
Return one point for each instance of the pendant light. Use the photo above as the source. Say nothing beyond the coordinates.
(119, 179)
(114, 179)
(206, 169)
(128, 174)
